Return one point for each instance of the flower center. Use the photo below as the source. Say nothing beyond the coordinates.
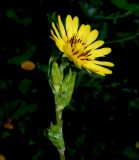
(78, 48)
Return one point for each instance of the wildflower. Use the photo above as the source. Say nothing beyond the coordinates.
(28, 65)
(80, 45)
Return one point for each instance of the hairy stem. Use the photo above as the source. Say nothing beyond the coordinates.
(62, 156)
(59, 122)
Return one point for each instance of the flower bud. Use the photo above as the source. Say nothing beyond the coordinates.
(62, 83)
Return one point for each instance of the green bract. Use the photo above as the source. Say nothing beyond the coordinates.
(62, 85)
(56, 137)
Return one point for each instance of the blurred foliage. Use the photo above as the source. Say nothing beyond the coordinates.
(25, 56)
(24, 85)
(123, 4)
(101, 122)
(12, 14)
(131, 153)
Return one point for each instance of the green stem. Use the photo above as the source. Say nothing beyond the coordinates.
(115, 16)
(59, 117)
(59, 122)
(125, 39)
(62, 156)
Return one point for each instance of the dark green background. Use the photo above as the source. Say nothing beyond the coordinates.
(101, 122)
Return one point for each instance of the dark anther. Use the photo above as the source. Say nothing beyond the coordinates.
(78, 40)
(87, 59)
(83, 54)
(75, 41)
(71, 40)
(72, 49)
(87, 52)
(75, 53)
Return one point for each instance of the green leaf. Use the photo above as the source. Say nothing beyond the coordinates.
(13, 105)
(22, 127)
(43, 68)
(104, 31)
(31, 142)
(25, 56)
(10, 107)
(100, 147)
(5, 134)
(123, 4)
(3, 84)
(55, 135)
(24, 86)
(131, 153)
(134, 103)
(38, 154)
(25, 21)
(106, 97)
(120, 3)
(80, 140)
(23, 109)
(11, 14)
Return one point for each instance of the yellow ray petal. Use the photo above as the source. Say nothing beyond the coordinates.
(83, 32)
(68, 26)
(75, 24)
(86, 32)
(101, 73)
(92, 37)
(61, 28)
(99, 52)
(56, 31)
(67, 50)
(53, 35)
(78, 63)
(68, 53)
(94, 45)
(97, 69)
(80, 31)
(59, 43)
(103, 63)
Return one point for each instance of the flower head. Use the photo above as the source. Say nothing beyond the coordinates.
(79, 45)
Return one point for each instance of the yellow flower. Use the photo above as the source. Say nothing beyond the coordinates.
(79, 45)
